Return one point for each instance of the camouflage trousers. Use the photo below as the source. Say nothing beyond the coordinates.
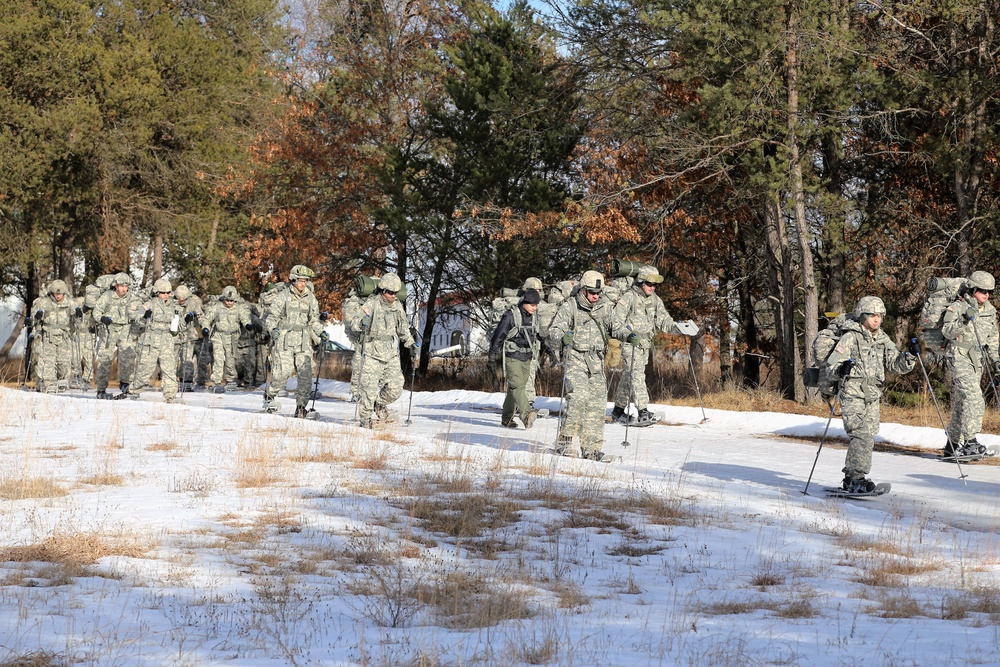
(224, 358)
(53, 356)
(157, 348)
(248, 366)
(381, 382)
(115, 340)
(284, 364)
(861, 421)
(203, 358)
(86, 355)
(967, 402)
(632, 385)
(356, 364)
(586, 403)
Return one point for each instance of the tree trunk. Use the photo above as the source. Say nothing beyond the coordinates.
(747, 336)
(782, 294)
(157, 256)
(810, 305)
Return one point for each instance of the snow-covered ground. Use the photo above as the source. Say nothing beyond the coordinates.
(139, 533)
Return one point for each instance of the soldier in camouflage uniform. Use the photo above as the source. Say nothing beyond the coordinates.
(351, 306)
(582, 327)
(380, 323)
(292, 318)
(87, 334)
(861, 357)
(190, 333)
(970, 328)
(114, 316)
(642, 312)
(162, 321)
(54, 338)
(223, 323)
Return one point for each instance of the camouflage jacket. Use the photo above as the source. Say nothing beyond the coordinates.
(121, 309)
(226, 320)
(592, 325)
(964, 338)
(296, 315)
(388, 324)
(158, 325)
(644, 315)
(873, 353)
(57, 316)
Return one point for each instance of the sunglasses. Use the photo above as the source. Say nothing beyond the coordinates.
(385, 291)
(163, 292)
(987, 292)
(591, 290)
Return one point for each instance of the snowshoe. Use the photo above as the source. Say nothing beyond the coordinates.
(876, 490)
(365, 423)
(218, 389)
(382, 414)
(599, 456)
(300, 411)
(103, 395)
(645, 418)
(270, 407)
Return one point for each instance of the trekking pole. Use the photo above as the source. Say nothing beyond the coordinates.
(562, 398)
(631, 393)
(319, 370)
(697, 389)
(830, 404)
(413, 379)
(937, 407)
(29, 339)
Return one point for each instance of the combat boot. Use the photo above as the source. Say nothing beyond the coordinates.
(300, 411)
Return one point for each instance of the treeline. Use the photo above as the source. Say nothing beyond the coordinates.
(774, 159)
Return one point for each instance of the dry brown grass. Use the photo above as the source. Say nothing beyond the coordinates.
(77, 549)
(256, 460)
(30, 487)
(37, 659)
(162, 447)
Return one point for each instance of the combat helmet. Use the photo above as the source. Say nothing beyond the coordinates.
(532, 283)
(182, 293)
(649, 274)
(161, 285)
(390, 282)
(982, 281)
(121, 279)
(229, 293)
(592, 281)
(869, 305)
(301, 271)
(57, 287)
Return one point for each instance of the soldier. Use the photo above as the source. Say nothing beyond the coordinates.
(113, 315)
(54, 340)
(87, 333)
(642, 312)
(582, 327)
(292, 318)
(380, 323)
(190, 333)
(516, 338)
(351, 306)
(529, 385)
(970, 328)
(162, 321)
(861, 357)
(223, 322)
(248, 350)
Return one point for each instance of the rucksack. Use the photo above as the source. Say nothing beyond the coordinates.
(498, 307)
(941, 293)
(820, 376)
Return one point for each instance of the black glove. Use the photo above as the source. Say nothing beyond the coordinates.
(250, 327)
(148, 314)
(914, 347)
(106, 321)
(324, 316)
(78, 312)
(970, 314)
(491, 366)
(324, 336)
(204, 332)
(39, 315)
(845, 368)
(633, 339)
(189, 318)
(27, 322)
(266, 338)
